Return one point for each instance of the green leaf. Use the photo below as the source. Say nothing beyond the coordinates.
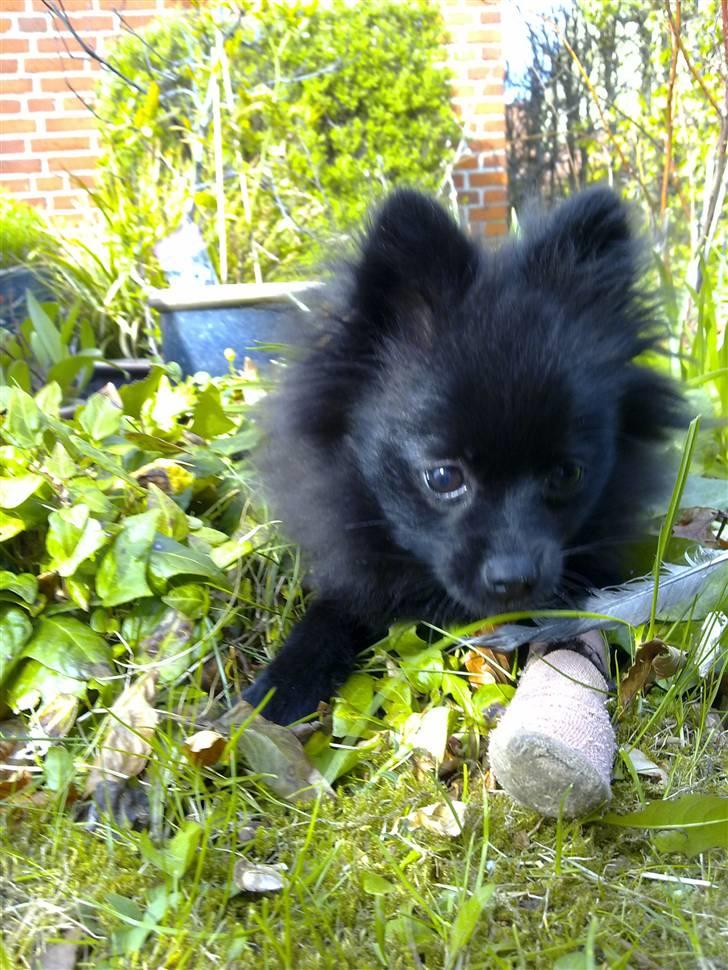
(100, 418)
(134, 395)
(24, 585)
(122, 574)
(15, 491)
(66, 371)
(172, 520)
(177, 855)
(467, 920)
(209, 419)
(170, 558)
(60, 464)
(424, 669)
(34, 682)
(375, 885)
(24, 421)
(190, 599)
(696, 822)
(167, 645)
(73, 536)
(10, 525)
(49, 399)
(58, 769)
(15, 631)
(68, 646)
(45, 339)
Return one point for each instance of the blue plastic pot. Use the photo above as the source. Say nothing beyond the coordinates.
(200, 323)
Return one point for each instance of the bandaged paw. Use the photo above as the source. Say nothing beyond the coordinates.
(553, 748)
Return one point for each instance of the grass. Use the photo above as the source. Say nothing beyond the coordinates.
(363, 888)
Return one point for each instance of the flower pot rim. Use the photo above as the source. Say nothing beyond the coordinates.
(192, 297)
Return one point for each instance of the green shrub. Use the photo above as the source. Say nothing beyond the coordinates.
(125, 532)
(321, 108)
(22, 230)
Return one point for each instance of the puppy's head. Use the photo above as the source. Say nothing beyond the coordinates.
(503, 426)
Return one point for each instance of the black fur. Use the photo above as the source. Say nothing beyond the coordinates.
(512, 368)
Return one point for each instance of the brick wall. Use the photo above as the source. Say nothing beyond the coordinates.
(475, 57)
(48, 142)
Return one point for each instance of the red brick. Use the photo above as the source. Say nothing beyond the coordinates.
(50, 183)
(492, 36)
(33, 24)
(60, 144)
(495, 229)
(13, 6)
(41, 104)
(19, 165)
(136, 20)
(487, 178)
(80, 123)
(5, 24)
(490, 16)
(8, 67)
(63, 45)
(16, 184)
(88, 180)
(82, 6)
(17, 85)
(9, 107)
(95, 23)
(72, 163)
(64, 201)
(52, 65)
(14, 45)
(17, 125)
(12, 147)
(488, 213)
(73, 82)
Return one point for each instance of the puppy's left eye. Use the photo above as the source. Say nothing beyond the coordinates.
(564, 480)
(446, 480)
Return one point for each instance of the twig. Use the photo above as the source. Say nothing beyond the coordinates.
(60, 13)
(689, 64)
(674, 43)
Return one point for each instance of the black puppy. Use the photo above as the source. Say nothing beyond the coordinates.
(468, 434)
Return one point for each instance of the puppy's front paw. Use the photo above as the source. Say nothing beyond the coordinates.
(289, 701)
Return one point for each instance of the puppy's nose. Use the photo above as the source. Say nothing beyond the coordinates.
(510, 577)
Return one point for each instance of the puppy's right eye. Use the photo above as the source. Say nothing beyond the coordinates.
(446, 480)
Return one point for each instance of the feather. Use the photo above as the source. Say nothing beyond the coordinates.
(678, 588)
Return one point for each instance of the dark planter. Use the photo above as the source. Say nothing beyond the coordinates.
(14, 283)
(199, 323)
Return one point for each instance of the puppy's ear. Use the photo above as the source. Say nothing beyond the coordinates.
(591, 226)
(414, 259)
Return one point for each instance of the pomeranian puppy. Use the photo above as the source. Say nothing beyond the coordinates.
(465, 432)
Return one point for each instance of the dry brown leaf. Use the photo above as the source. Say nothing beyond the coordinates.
(697, 524)
(275, 753)
(16, 758)
(487, 666)
(125, 748)
(427, 732)
(205, 748)
(442, 818)
(57, 716)
(62, 955)
(644, 765)
(653, 661)
(251, 877)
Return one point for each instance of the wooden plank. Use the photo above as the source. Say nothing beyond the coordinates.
(225, 294)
